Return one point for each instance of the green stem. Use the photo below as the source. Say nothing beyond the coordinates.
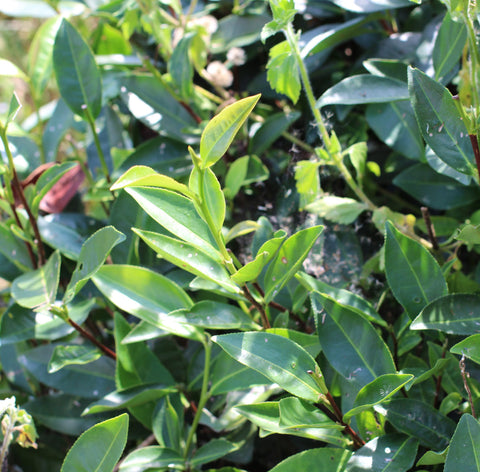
(474, 61)
(204, 395)
(335, 154)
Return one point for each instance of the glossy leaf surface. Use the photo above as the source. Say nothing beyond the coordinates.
(464, 448)
(221, 130)
(281, 360)
(152, 457)
(412, 273)
(104, 442)
(328, 459)
(453, 314)
(77, 74)
(68, 355)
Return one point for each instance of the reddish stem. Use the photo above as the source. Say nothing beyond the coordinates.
(92, 339)
(476, 151)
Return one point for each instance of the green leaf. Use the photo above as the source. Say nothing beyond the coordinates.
(281, 360)
(270, 130)
(143, 176)
(413, 275)
(244, 171)
(353, 301)
(214, 315)
(89, 381)
(419, 420)
(297, 413)
(453, 314)
(136, 290)
(266, 415)
(186, 257)
(9, 69)
(289, 259)
(307, 182)
(440, 122)
(464, 447)
(340, 210)
(350, 343)
(433, 458)
(364, 88)
(68, 355)
(213, 450)
(13, 248)
(449, 44)
(377, 391)
(180, 67)
(388, 453)
(13, 108)
(40, 55)
(77, 74)
(213, 198)
(221, 129)
(92, 256)
(325, 459)
(252, 270)
(178, 215)
(469, 347)
(152, 457)
(435, 190)
(104, 442)
(39, 287)
(129, 398)
(282, 71)
(395, 124)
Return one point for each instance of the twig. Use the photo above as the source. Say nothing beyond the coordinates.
(465, 384)
(430, 228)
(263, 314)
(476, 151)
(92, 339)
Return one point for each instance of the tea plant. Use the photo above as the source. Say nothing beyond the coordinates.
(200, 254)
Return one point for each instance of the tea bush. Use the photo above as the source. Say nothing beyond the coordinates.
(240, 236)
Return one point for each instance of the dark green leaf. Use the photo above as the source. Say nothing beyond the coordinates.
(213, 450)
(297, 413)
(77, 74)
(152, 457)
(413, 275)
(281, 360)
(392, 453)
(419, 420)
(367, 6)
(350, 343)
(365, 88)
(453, 314)
(75, 354)
(326, 459)
(104, 442)
(13, 248)
(469, 347)
(181, 68)
(464, 449)
(440, 122)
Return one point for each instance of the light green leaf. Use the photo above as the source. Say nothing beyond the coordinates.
(350, 343)
(440, 122)
(469, 347)
(39, 287)
(143, 176)
(180, 67)
(104, 442)
(297, 413)
(152, 457)
(77, 74)
(388, 453)
(365, 88)
(326, 459)
(213, 198)
(92, 256)
(129, 398)
(453, 314)
(75, 354)
(9, 69)
(281, 360)
(244, 171)
(289, 259)
(337, 209)
(412, 273)
(377, 391)
(186, 257)
(220, 131)
(464, 449)
(178, 215)
(282, 71)
(145, 294)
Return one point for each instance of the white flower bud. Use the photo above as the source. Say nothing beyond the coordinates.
(219, 74)
(236, 56)
(209, 22)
